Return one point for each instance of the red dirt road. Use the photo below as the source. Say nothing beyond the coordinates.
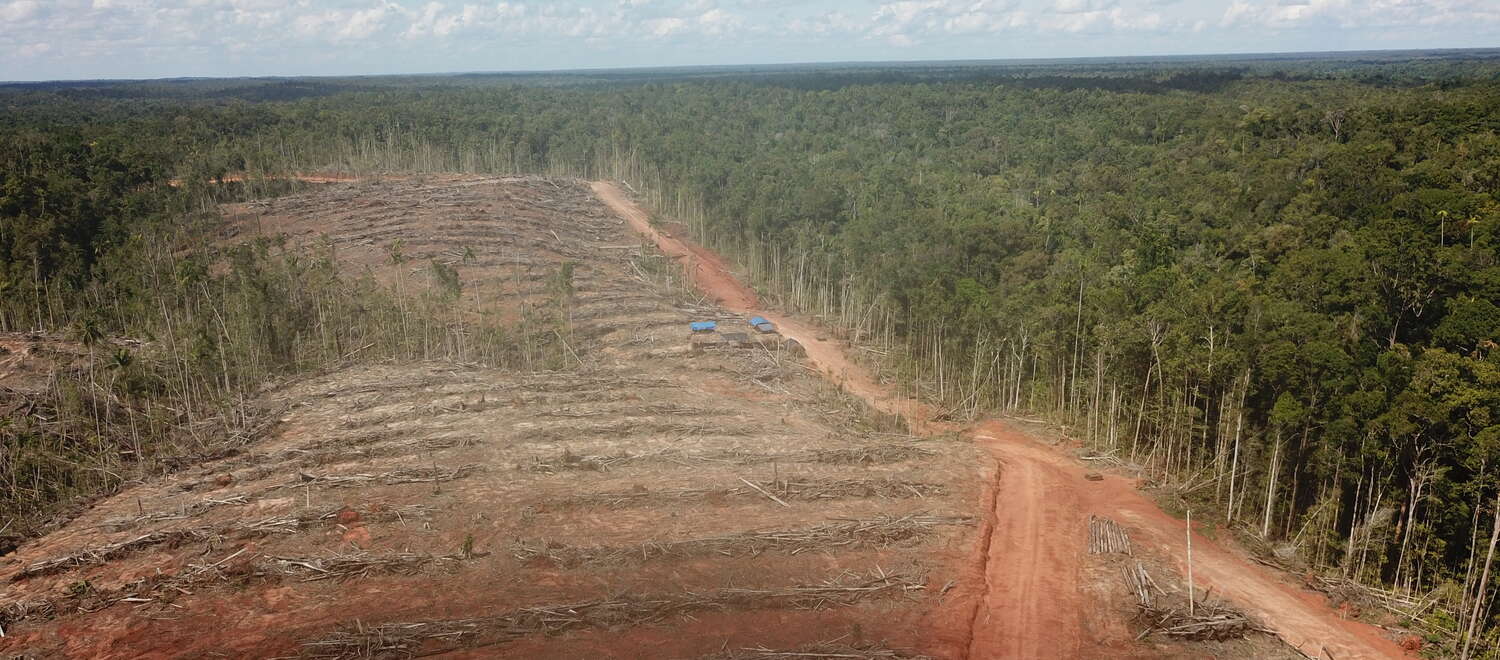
(714, 278)
(1029, 556)
(1031, 606)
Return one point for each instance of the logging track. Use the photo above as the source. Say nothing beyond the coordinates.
(1027, 597)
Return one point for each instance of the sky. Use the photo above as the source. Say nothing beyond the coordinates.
(90, 39)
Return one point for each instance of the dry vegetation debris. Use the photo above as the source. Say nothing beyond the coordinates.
(780, 489)
(449, 477)
(1188, 618)
(836, 649)
(400, 639)
(841, 534)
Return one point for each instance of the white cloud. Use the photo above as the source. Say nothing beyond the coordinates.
(1356, 14)
(363, 23)
(1076, 6)
(81, 38)
(340, 26)
(826, 23)
(717, 22)
(912, 22)
(1280, 14)
(665, 27)
(908, 22)
(621, 19)
(1112, 20)
(20, 10)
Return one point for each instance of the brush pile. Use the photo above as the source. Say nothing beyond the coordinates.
(810, 490)
(835, 649)
(238, 567)
(406, 639)
(355, 565)
(875, 532)
(101, 554)
(1204, 619)
(394, 477)
(873, 454)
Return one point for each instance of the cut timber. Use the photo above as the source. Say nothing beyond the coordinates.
(1105, 537)
(707, 342)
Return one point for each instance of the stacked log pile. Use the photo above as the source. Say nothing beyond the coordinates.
(1106, 536)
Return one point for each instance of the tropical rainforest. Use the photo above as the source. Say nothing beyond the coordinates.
(1272, 285)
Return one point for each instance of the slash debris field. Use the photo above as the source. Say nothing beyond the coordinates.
(632, 498)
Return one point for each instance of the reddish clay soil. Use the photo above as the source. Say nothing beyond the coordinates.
(429, 507)
(713, 277)
(29, 360)
(460, 499)
(1032, 602)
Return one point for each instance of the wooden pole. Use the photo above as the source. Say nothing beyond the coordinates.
(1190, 560)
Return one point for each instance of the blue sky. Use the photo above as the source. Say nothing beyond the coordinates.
(73, 39)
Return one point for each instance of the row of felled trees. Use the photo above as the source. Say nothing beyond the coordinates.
(111, 238)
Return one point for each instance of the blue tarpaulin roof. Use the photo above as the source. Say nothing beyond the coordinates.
(703, 326)
(756, 320)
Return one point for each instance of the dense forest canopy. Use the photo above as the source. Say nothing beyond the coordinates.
(1274, 283)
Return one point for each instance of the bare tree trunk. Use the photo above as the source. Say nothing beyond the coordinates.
(1265, 528)
(1484, 579)
(1234, 465)
(1140, 414)
(1077, 345)
(1114, 411)
(1463, 604)
(1415, 483)
(1359, 487)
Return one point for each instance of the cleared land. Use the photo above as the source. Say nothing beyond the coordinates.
(632, 498)
(642, 501)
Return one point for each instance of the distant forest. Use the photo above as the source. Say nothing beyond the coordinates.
(1272, 283)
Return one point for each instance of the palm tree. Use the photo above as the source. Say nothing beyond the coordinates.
(120, 360)
(119, 363)
(88, 331)
(398, 258)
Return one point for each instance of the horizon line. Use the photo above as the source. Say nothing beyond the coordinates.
(794, 64)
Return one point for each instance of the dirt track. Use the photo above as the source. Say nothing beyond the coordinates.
(1032, 603)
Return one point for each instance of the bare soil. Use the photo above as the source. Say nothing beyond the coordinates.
(30, 360)
(1030, 596)
(642, 502)
(645, 502)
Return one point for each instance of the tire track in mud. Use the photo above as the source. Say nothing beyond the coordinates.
(1031, 607)
(982, 559)
(1028, 558)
